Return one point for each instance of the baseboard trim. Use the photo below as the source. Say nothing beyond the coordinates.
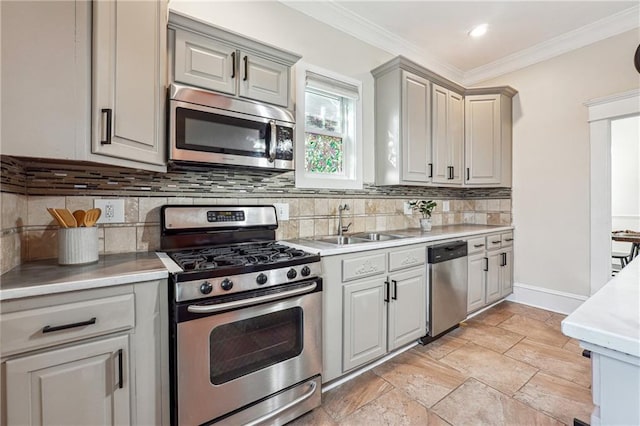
(551, 300)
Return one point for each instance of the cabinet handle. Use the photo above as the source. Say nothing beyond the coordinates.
(430, 170)
(120, 372)
(468, 173)
(386, 291)
(395, 290)
(478, 245)
(503, 257)
(51, 328)
(508, 239)
(246, 68)
(453, 172)
(107, 139)
(486, 264)
(233, 64)
(495, 242)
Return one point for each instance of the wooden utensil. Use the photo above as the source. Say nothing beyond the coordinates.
(79, 215)
(57, 217)
(67, 218)
(91, 217)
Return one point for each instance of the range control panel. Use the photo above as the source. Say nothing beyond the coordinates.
(225, 216)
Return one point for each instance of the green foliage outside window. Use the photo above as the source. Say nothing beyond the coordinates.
(323, 154)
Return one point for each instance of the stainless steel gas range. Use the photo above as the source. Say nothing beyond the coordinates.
(245, 318)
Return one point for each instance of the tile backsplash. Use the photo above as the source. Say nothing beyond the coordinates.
(28, 188)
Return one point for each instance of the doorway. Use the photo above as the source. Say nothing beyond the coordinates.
(602, 112)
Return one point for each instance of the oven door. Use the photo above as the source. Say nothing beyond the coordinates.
(206, 134)
(228, 360)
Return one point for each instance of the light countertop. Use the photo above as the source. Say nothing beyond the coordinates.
(611, 317)
(47, 277)
(412, 236)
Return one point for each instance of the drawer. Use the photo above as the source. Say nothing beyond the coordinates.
(476, 245)
(494, 241)
(38, 328)
(364, 266)
(507, 239)
(407, 258)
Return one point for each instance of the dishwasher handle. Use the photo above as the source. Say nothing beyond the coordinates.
(447, 251)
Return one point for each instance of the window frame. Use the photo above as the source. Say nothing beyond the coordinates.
(351, 178)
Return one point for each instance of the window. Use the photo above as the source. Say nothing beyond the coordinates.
(328, 123)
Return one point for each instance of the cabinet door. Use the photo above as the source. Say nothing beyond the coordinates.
(85, 384)
(45, 76)
(203, 62)
(264, 80)
(439, 135)
(483, 141)
(455, 136)
(407, 307)
(493, 276)
(129, 80)
(365, 322)
(506, 273)
(416, 137)
(477, 282)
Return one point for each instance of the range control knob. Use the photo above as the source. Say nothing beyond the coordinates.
(305, 271)
(261, 279)
(226, 284)
(206, 287)
(291, 273)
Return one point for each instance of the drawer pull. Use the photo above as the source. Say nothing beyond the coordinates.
(508, 239)
(50, 328)
(495, 242)
(478, 245)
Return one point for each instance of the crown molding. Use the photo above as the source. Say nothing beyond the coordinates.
(610, 26)
(335, 15)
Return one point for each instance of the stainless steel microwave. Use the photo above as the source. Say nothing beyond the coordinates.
(208, 128)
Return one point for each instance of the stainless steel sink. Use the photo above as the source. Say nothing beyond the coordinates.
(374, 236)
(344, 240)
(362, 237)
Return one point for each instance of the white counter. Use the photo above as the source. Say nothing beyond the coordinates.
(611, 317)
(608, 325)
(409, 236)
(47, 277)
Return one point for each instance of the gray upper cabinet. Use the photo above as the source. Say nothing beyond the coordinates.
(202, 62)
(447, 136)
(430, 131)
(488, 137)
(216, 59)
(129, 80)
(127, 42)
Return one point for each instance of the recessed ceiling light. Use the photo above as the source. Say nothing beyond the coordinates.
(479, 30)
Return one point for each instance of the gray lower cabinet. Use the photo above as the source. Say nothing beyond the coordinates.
(83, 384)
(365, 322)
(373, 302)
(490, 269)
(95, 356)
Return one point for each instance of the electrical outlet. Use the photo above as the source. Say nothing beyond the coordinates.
(445, 206)
(407, 208)
(282, 210)
(112, 210)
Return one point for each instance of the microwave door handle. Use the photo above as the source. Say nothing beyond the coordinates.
(272, 141)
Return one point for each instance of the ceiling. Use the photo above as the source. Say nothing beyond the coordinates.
(435, 33)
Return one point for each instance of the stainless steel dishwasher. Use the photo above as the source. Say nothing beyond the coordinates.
(447, 289)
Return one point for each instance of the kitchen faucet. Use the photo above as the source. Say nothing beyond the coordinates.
(342, 229)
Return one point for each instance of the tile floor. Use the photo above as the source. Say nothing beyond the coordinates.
(510, 365)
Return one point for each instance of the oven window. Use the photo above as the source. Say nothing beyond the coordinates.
(203, 131)
(242, 347)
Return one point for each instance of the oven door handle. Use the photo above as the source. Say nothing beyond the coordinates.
(207, 309)
(307, 395)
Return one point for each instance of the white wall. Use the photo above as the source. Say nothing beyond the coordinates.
(551, 134)
(551, 158)
(319, 44)
(625, 177)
